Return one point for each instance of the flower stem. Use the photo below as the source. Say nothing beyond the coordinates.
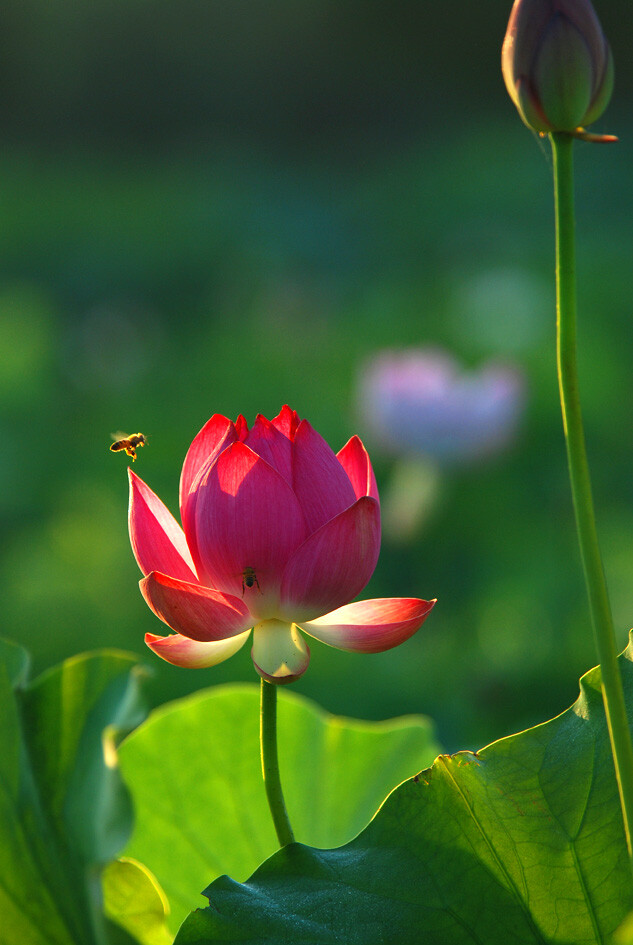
(270, 763)
(613, 696)
(94, 898)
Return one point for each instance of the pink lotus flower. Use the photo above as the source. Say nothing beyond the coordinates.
(279, 534)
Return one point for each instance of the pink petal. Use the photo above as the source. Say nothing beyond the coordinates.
(158, 541)
(371, 626)
(320, 482)
(241, 428)
(272, 445)
(195, 611)
(247, 517)
(192, 654)
(216, 435)
(280, 653)
(355, 461)
(334, 564)
(286, 422)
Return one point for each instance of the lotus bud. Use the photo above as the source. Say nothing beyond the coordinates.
(557, 64)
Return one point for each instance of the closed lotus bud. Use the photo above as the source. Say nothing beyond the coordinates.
(557, 64)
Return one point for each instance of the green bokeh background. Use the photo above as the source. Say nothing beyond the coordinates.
(224, 206)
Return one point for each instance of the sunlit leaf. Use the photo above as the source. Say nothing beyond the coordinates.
(624, 935)
(520, 843)
(134, 900)
(195, 775)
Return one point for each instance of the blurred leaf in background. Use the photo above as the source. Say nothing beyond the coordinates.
(64, 810)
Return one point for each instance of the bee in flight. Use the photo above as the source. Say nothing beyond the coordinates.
(128, 443)
(249, 578)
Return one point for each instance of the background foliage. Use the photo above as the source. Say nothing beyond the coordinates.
(223, 207)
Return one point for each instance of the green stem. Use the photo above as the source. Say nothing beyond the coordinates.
(562, 148)
(270, 763)
(94, 898)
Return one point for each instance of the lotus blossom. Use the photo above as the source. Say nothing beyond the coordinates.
(278, 535)
(421, 401)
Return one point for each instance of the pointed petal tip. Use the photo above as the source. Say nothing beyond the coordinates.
(241, 427)
(287, 421)
(355, 460)
(157, 540)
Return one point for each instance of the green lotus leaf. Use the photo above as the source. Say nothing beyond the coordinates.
(194, 771)
(521, 842)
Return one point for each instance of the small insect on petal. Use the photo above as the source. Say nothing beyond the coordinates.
(249, 578)
(128, 443)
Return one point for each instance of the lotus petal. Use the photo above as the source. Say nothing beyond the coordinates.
(370, 626)
(268, 442)
(355, 461)
(247, 517)
(195, 611)
(192, 654)
(334, 564)
(215, 435)
(158, 541)
(287, 421)
(320, 483)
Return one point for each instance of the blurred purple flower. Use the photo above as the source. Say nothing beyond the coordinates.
(420, 401)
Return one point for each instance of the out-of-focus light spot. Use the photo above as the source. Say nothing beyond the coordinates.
(503, 309)
(409, 498)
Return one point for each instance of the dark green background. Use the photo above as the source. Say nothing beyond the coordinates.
(224, 206)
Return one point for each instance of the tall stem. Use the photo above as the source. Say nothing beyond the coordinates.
(94, 898)
(562, 148)
(270, 763)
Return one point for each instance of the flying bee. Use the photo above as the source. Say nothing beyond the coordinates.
(249, 578)
(128, 443)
